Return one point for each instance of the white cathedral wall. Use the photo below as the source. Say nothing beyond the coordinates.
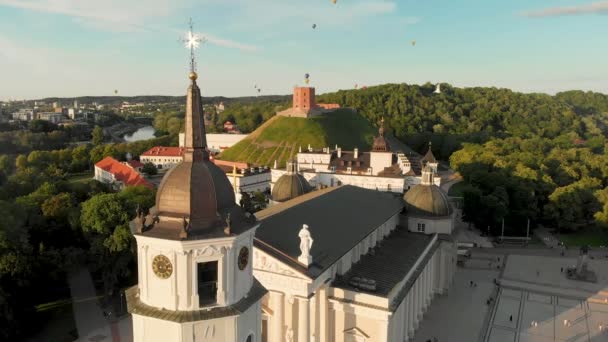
(431, 226)
(179, 291)
(148, 329)
(379, 160)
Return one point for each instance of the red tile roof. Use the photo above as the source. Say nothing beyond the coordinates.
(135, 163)
(122, 172)
(164, 151)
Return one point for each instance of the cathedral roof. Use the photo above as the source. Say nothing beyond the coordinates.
(338, 219)
(195, 198)
(380, 266)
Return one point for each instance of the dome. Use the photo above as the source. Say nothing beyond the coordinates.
(290, 185)
(197, 190)
(427, 199)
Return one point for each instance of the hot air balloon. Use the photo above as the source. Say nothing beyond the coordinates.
(306, 76)
(259, 90)
(356, 85)
(334, 1)
(115, 91)
(413, 43)
(314, 26)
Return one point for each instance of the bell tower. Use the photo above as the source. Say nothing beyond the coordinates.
(194, 248)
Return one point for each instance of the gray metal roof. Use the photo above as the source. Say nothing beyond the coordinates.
(389, 262)
(338, 219)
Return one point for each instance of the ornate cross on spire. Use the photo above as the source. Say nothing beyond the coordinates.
(192, 42)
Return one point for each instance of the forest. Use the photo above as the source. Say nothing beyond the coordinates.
(524, 156)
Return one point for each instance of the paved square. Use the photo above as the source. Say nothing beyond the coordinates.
(548, 306)
(459, 315)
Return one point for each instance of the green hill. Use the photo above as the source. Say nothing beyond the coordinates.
(280, 137)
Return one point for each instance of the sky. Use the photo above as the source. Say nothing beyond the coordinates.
(69, 48)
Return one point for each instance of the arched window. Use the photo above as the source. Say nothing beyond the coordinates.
(249, 338)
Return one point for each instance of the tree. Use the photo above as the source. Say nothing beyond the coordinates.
(150, 169)
(105, 223)
(97, 136)
(41, 126)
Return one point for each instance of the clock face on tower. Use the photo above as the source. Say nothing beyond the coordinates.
(243, 258)
(161, 265)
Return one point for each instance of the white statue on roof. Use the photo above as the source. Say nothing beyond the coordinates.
(305, 245)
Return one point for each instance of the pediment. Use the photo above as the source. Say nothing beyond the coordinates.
(264, 262)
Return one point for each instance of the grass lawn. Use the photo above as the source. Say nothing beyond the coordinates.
(593, 237)
(456, 189)
(80, 177)
(342, 127)
(59, 323)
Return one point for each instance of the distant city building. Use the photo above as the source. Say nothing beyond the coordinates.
(245, 179)
(51, 117)
(56, 105)
(218, 142)
(126, 105)
(71, 112)
(135, 165)
(163, 157)
(119, 175)
(219, 107)
(24, 115)
(231, 127)
(304, 104)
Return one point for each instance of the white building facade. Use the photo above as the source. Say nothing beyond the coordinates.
(218, 142)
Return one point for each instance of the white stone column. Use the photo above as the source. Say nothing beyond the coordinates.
(277, 301)
(323, 314)
(303, 320)
(289, 302)
(406, 317)
(418, 300)
(410, 312)
(314, 319)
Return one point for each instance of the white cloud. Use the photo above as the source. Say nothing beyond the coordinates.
(119, 15)
(592, 8)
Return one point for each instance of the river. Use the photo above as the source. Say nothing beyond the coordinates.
(143, 133)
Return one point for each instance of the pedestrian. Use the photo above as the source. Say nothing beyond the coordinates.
(511, 318)
(471, 284)
(561, 270)
(537, 273)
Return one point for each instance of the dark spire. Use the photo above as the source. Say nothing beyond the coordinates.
(195, 142)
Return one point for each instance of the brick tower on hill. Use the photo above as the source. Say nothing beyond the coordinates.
(304, 104)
